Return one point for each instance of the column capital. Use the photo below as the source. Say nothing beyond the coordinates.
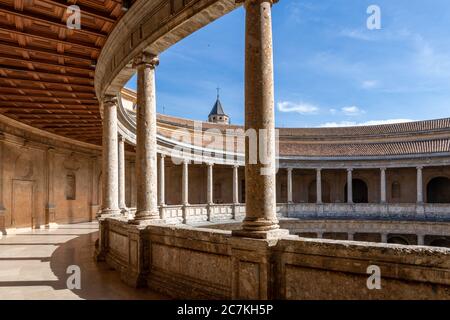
(247, 2)
(109, 101)
(121, 138)
(318, 169)
(210, 164)
(349, 169)
(419, 167)
(162, 155)
(146, 59)
(383, 169)
(290, 169)
(236, 166)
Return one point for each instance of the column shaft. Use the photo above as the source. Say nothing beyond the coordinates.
(349, 186)
(259, 118)
(236, 184)
(319, 186)
(146, 147)
(162, 182)
(210, 184)
(289, 185)
(383, 185)
(419, 185)
(185, 184)
(110, 203)
(121, 152)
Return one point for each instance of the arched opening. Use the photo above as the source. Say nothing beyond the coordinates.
(312, 192)
(441, 242)
(398, 240)
(438, 190)
(360, 191)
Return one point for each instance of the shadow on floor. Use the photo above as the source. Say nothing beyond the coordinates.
(98, 281)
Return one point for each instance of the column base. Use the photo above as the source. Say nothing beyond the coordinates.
(269, 234)
(2, 222)
(105, 213)
(146, 219)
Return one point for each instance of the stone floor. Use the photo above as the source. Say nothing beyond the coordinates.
(33, 265)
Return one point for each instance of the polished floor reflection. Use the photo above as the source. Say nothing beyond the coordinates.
(33, 265)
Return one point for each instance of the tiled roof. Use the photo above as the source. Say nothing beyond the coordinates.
(364, 149)
(412, 138)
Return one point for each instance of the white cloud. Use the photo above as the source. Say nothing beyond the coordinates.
(303, 108)
(369, 84)
(333, 111)
(352, 111)
(356, 34)
(367, 123)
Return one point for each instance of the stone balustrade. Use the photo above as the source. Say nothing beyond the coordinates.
(187, 262)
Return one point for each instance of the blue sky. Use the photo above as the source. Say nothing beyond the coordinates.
(330, 69)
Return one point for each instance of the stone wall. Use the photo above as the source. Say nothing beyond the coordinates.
(46, 179)
(186, 262)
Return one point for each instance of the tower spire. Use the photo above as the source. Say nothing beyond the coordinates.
(218, 92)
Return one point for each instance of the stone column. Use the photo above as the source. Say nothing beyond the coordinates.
(121, 152)
(349, 185)
(420, 185)
(420, 240)
(351, 236)
(110, 203)
(162, 182)
(185, 184)
(235, 184)
(49, 192)
(289, 185)
(146, 147)
(133, 193)
(94, 187)
(2, 208)
(260, 219)
(319, 186)
(383, 185)
(209, 184)
(384, 238)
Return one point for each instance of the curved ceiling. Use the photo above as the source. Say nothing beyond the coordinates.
(47, 69)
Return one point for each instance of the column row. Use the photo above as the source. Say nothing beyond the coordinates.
(383, 192)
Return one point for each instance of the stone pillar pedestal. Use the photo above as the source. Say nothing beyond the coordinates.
(252, 269)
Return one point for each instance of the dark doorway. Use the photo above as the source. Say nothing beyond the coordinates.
(442, 242)
(438, 190)
(360, 191)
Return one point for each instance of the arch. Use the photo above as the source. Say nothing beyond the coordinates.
(360, 191)
(312, 192)
(397, 240)
(438, 190)
(440, 242)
